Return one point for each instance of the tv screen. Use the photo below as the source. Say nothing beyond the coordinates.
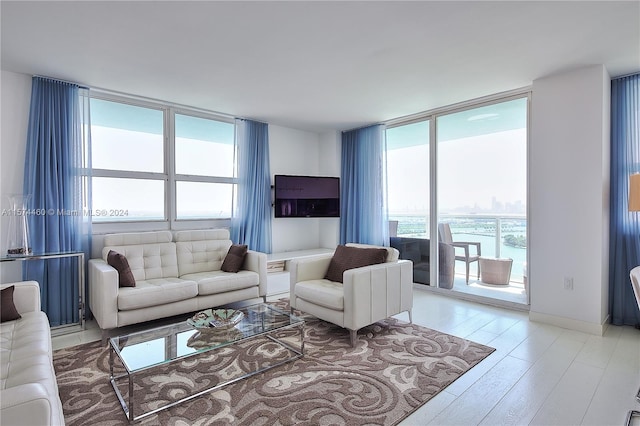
(307, 196)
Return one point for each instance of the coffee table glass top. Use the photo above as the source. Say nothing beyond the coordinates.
(168, 343)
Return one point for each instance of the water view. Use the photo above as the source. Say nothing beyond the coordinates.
(513, 233)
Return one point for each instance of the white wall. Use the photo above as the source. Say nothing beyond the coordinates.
(330, 153)
(15, 94)
(569, 198)
(298, 152)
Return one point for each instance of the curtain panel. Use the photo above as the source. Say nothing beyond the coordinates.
(624, 249)
(251, 224)
(55, 176)
(363, 215)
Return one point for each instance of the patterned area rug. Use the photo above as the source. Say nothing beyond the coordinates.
(394, 369)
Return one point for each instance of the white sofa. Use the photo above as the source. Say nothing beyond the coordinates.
(175, 274)
(28, 387)
(367, 294)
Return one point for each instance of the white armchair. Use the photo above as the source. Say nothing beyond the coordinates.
(635, 284)
(366, 295)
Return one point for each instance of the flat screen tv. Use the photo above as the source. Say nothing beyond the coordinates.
(307, 196)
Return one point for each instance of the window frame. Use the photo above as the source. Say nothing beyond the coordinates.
(169, 175)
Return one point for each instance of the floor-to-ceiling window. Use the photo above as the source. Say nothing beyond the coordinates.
(482, 195)
(471, 186)
(408, 159)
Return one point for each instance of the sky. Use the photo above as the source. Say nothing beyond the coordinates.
(481, 161)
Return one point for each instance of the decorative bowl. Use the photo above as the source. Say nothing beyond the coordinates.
(207, 339)
(215, 319)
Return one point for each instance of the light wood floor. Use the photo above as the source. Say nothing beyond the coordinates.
(539, 374)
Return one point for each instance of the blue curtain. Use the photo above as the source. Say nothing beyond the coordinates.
(53, 175)
(363, 215)
(251, 224)
(624, 250)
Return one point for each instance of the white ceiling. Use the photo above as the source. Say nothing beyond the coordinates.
(316, 65)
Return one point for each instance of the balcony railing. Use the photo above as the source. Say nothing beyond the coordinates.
(500, 235)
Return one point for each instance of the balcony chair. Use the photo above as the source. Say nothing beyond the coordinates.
(417, 251)
(366, 294)
(635, 284)
(444, 231)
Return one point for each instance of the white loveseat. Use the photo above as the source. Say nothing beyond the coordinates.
(175, 274)
(366, 295)
(28, 387)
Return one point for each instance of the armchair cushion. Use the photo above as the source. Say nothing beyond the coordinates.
(346, 258)
(9, 311)
(322, 292)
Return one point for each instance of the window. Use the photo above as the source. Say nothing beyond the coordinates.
(204, 147)
(127, 160)
(116, 199)
(152, 163)
(482, 179)
(205, 167)
(201, 200)
(408, 178)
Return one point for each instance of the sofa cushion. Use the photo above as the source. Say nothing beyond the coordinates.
(24, 344)
(202, 235)
(137, 238)
(9, 311)
(34, 328)
(156, 291)
(219, 281)
(329, 294)
(26, 370)
(346, 257)
(201, 255)
(235, 258)
(148, 261)
(120, 263)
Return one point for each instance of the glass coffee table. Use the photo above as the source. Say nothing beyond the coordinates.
(141, 363)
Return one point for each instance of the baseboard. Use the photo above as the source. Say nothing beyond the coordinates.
(473, 298)
(571, 324)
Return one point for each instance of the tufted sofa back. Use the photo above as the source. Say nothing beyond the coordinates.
(201, 251)
(150, 254)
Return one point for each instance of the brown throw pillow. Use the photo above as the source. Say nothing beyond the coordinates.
(235, 258)
(120, 263)
(9, 311)
(353, 257)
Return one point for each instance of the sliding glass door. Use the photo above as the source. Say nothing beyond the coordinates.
(469, 188)
(482, 193)
(408, 183)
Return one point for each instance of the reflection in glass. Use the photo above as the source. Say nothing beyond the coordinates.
(140, 355)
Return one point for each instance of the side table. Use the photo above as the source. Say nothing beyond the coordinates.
(66, 328)
(495, 270)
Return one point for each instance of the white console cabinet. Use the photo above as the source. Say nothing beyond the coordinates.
(278, 271)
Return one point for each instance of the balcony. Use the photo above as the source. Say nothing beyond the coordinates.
(501, 236)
